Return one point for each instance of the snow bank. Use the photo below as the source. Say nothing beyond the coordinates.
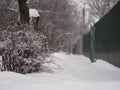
(81, 68)
(77, 73)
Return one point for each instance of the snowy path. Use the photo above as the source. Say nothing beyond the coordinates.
(77, 74)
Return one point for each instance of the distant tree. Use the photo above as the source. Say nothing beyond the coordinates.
(61, 19)
(98, 8)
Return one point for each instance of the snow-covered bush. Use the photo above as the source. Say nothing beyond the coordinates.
(23, 51)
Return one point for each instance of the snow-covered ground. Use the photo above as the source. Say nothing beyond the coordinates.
(76, 73)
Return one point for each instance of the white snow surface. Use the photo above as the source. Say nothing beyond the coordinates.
(76, 73)
(34, 13)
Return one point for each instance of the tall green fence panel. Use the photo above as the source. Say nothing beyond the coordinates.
(107, 37)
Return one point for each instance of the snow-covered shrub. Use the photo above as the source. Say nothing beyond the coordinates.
(24, 51)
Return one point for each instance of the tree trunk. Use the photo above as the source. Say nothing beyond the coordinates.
(24, 12)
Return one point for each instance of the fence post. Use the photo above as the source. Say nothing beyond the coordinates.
(92, 44)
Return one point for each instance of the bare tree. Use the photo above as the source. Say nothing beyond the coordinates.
(98, 8)
(61, 19)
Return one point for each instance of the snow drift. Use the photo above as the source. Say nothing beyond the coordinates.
(76, 73)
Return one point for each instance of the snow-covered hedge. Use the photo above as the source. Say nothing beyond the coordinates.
(23, 51)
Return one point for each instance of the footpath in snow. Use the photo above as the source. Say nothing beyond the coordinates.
(72, 72)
